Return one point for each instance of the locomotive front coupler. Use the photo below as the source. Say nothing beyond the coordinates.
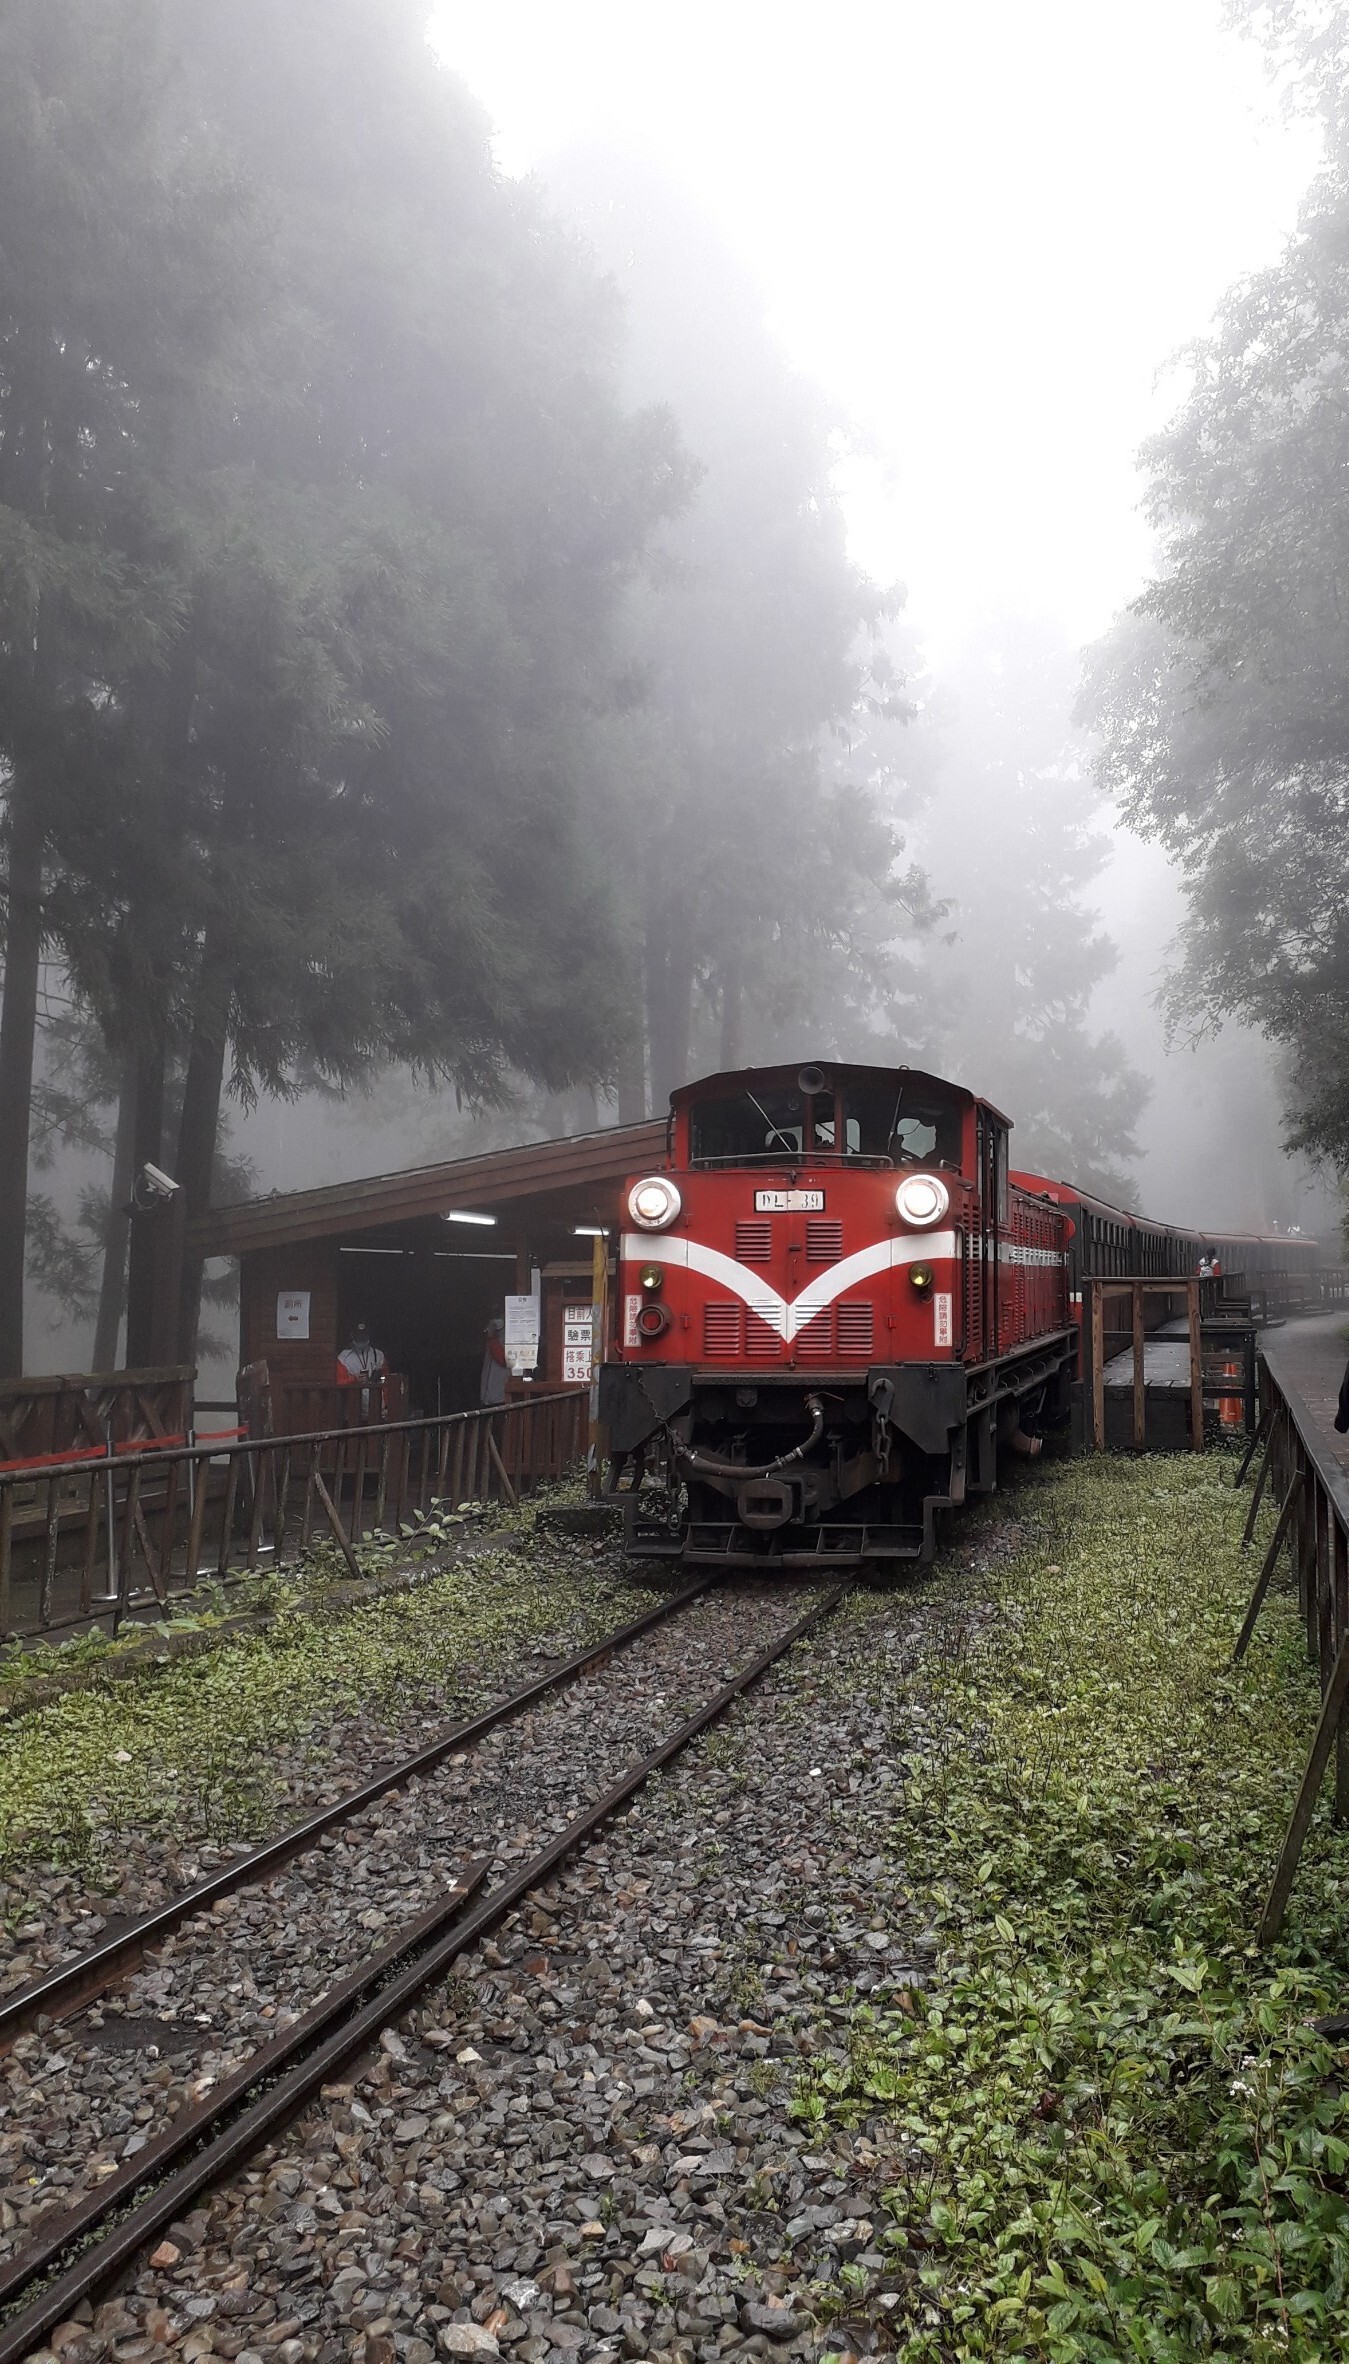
(709, 1464)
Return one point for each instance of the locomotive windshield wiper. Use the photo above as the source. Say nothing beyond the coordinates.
(775, 1132)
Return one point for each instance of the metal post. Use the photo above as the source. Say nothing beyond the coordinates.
(109, 1491)
(599, 1308)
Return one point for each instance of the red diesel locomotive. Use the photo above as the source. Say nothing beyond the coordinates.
(833, 1303)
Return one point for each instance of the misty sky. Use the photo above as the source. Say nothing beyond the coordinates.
(982, 228)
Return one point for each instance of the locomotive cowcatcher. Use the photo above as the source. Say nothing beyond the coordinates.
(833, 1305)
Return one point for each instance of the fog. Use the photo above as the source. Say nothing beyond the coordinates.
(987, 235)
(911, 286)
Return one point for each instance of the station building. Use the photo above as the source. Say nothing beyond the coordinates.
(426, 1258)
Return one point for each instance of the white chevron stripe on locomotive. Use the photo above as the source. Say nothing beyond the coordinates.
(753, 1290)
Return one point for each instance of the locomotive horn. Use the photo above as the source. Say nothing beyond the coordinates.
(811, 1079)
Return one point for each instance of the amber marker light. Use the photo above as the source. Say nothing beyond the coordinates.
(921, 1277)
(651, 1276)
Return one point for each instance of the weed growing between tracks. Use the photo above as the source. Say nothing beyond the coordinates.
(205, 1748)
(1122, 2138)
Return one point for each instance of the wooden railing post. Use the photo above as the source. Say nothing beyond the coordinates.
(1196, 1366)
(246, 1505)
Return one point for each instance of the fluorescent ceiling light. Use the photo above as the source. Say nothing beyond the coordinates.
(473, 1255)
(461, 1215)
(590, 1231)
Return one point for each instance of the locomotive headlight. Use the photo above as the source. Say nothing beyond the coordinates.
(922, 1200)
(654, 1203)
(651, 1277)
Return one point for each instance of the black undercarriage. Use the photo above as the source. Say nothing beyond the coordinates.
(828, 1470)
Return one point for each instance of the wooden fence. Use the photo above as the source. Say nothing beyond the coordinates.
(1312, 1491)
(74, 1412)
(103, 1536)
(1135, 1290)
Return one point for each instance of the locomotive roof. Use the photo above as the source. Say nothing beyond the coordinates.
(787, 1070)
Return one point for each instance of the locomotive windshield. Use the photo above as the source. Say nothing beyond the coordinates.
(898, 1124)
(907, 1122)
(750, 1124)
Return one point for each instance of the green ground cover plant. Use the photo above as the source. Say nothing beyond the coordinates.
(1120, 2135)
(198, 1749)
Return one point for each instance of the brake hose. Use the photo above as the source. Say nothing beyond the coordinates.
(708, 1465)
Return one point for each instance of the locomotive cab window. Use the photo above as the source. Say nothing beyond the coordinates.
(905, 1124)
(747, 1125)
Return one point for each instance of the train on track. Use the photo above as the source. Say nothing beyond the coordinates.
(836, 1300)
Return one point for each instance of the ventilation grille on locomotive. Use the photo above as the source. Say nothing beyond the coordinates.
(731, 1329)
(723, 1328)
(824, 1240)
(760, 1336)
(856, 1327)
(754, 1242)
(815, 1344)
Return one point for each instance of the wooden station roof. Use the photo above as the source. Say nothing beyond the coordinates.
(570, 1180)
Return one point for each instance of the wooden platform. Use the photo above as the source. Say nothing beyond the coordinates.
(1307, 1358)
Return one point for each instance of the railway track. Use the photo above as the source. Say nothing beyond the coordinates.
(79, 2250)
(72, 1985)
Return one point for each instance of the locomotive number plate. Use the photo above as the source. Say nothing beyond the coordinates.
(789, 1202)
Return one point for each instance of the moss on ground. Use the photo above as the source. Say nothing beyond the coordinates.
(1120, 2134)
(202, 1748)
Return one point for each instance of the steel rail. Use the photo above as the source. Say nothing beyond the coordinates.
(68, 2225)
(62, 1990)
(259, 2119)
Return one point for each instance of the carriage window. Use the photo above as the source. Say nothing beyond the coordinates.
(746, 1126)
(905, 1122)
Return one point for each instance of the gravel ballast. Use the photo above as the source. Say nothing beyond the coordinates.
(583, 2145)
(86, 2096)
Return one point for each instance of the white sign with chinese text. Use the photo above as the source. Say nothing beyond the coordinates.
(520, 1342)
(578, 1344)
(941, 1319)
(292, 1313)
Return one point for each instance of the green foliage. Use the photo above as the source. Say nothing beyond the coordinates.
(1120, 2134)
(1221, 696)
(193, 1749)
(316, 498)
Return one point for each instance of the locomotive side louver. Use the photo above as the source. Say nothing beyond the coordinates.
(824, 1240)
(856, 1327)
(816, 1342)
(754, 1242)
(723, 1328)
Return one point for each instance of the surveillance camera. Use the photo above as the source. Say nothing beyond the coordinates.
(159, 1184)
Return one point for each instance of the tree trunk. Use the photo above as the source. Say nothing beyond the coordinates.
(669, 996)
(197, 1132)
(632, 1079)
(732, 1010)
(112, 1291)
(146, 1229)
(18, 1030)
